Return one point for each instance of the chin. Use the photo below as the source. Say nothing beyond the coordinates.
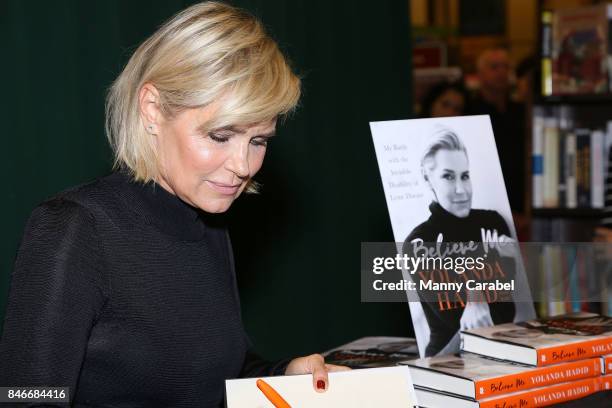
(216, 206)
(462, 213)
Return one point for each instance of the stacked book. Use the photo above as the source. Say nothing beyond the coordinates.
(530, 364)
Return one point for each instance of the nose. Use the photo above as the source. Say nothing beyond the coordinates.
(238, 161)
(459, 187)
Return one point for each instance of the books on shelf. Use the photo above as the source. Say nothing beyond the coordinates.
(543, 342)
(477, 377)
(576, 42)
(568, 163)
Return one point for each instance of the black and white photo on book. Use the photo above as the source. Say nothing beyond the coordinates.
(447, 201)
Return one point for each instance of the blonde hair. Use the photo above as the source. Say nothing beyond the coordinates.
(209, 52)
(444, 139)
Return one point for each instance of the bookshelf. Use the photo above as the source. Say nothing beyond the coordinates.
(571, 129)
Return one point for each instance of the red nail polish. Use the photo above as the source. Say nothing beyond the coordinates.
(321, 385)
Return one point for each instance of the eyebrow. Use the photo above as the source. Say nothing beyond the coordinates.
(240, 130)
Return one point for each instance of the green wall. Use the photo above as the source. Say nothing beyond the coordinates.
(297, 244)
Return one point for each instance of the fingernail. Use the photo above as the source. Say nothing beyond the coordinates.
(321, 385)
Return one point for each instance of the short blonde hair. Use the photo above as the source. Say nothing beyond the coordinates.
(209, 52)
(443, 139)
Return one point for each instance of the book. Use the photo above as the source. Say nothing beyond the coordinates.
(551, 162)
(444, 187)
(537, 157)
(546, 49)
(570, 171)
(607, 364)
(476, 377)
(369, 352)
(583, 167)
(597, 168)
(579, 50)
(368, 388)
(542, 342)
(538, 397)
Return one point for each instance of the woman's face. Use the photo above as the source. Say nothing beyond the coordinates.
(449, 178)
(450, 103)
(208, 169)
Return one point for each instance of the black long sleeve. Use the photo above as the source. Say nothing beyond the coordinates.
(126, 295)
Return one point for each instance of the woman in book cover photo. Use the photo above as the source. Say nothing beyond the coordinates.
(445, 169)
(124, 289)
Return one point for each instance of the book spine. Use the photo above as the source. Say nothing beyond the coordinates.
(605, 383)
(545, 396)
(562, 187)
(537, 157)
(547, 83)
(583, 177)
(607, 364)
(551, 163)
(538, 378)
(597, 169)
(570, 171)
(574, 351)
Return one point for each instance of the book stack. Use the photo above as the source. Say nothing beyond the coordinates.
(530, 364)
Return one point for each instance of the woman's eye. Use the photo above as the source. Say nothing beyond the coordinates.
(218, 138)
(259, 142)
(465, 177)
(448, 177)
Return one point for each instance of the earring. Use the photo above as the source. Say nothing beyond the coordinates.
(150, 129)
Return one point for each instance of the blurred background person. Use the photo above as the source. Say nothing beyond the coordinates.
(508, 120)
(445, 99)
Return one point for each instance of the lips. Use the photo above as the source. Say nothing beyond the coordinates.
(225, 189)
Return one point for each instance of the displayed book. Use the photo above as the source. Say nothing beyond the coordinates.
(369, 352)
(444, 188)
(607, 364)
(476, 377)
(543, 342)
(580, 50)
(388, 387)
(537, 397)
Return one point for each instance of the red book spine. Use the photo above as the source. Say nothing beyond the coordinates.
(549, 375)
(574, 351)
(542, 397)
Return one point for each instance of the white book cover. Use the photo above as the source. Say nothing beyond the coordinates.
(388, 387)
(443, 184)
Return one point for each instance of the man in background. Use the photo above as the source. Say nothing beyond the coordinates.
(508, 120)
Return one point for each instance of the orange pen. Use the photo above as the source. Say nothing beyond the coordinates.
(272, 395)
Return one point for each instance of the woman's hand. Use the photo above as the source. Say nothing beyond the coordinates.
(315, 364)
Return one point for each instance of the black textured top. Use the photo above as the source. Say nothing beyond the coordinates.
(478, 226)
(127, 295)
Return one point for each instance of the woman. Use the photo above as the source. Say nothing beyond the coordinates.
(445, 169)
(124, 288)
(444, 99)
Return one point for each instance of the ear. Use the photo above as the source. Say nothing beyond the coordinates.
(424, 174)
(148, 103)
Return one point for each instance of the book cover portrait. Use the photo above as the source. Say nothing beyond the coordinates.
(447, 200)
